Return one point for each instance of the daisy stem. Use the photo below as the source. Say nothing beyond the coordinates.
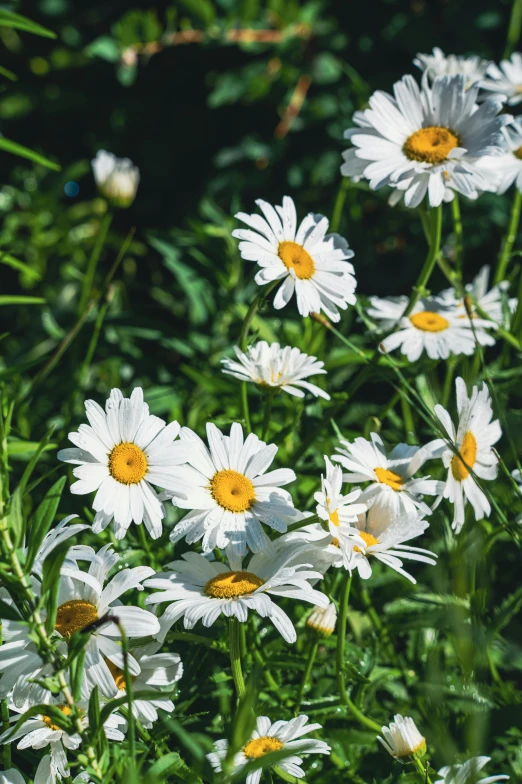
(457, 228)
(509, 238)
(419, 289)
(515, 23)
(128, 688)
(235, 657)
(339, 204)
(306, 675)
(423, 770)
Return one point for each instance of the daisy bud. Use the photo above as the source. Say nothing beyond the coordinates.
(323, 619)
(117, 178)
(403, 739)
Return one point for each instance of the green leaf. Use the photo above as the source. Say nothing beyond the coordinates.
(10, 261)
(24, 152)
(15, 518)
(10, 19)
(18, 449)
(14, 299)
(44, 444)
(51, 569)
(105, 48)
(8, 74)
(202, 9)
(43, 519)
(166, 766)
(55, 714)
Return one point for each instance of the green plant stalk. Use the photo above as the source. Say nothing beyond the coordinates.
(235, 657)
(6, 752)
(312, 653)
(509, 238)
(339, 204)
(420, 290)
(128, 688)
(457, 228)
(422, 770)
(515, 25)
(90, 272)
(287, 777)
(268, 410)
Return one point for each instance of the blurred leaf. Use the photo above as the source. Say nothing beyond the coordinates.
(24, 152)
(10, 19)
(14, 299)
(104, 47)
(42, 520)
(15, 518)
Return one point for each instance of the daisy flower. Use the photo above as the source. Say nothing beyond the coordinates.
(473, 68)
(322, 620)
(229, 493)
(467, 772)
(268, 738)
(425, 140)
(158, 671)
(432, 326)
(199, 589)
(11, 776)
(393, 488)
(120, 455)
(489, 301)
(117, 178)
(506, 80)
(506, 169)
(277, 368)
(309, 261)
(473, 451)
(402, 738)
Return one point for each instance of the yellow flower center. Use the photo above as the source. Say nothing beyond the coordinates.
(335, 542)
(127, 464)
(467, 455)
(258, 747)
(232, 584)
(74, 615)
(334, 517)
(428, 321)
(232, 490)
(430, 145)
(518, 153)
(387, 477)
(65, 709)
(368, 539)
(295, 257)
(117, 674)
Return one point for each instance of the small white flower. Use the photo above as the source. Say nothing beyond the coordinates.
(473, 68)
(311, 262)
(199, 589)
(489, 302)
(425, 141)
(506, 80)
(117, 178)
(473, 440)
(323, 619)
(268, 738)
(402, 738)
(393, 488)
(506, 169)
(467, 773)
(229, 493)
(120, 455)
(277, 368)
(433, 326)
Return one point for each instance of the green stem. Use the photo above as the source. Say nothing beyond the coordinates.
(93, 262)
(268, 410)
(419, 290)
(457, 228)
(422, 770)
(287, 777)
(306, 675)
(339, 204)
(128, 689)
(6, 724)
(515, 24)
(235, 657)
(509, 237)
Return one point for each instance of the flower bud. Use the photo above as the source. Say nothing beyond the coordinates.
(322, 620)
(403, 739)
(117, 178)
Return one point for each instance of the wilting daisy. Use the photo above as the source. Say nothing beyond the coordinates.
(393, 488)
(117, 178)
(309, 261)
(402, 738)
(473, 68)
(158, 672)
(490, 302)
(467, 772)
(322, 620)
(268, 738)
(506, 80)
(425, 140)
(199, 589)
(229, 493)
(278, 368)
(506, 169)
(433, 327)
(120, 455)
(473, 441)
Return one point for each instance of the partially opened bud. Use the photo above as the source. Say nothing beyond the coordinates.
(322, 620)
(403, 739)
(117, 178)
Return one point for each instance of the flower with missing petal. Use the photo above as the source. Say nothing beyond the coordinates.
(467, 773)
(492, 302)
(402, 739)
(472, 68)
(506, 79)
(267, 738)
(310, 262)
(117, 178)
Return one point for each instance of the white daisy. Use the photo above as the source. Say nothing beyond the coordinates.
(309, 261)
(402, 738)
(393, 488)
(229, 493)
(201, 589)
(123, 451)
(432, 326)
(158, 672)
(506, 80)
(473, 68)
(473, 439)
(323, 619)
(268, 738)
(117, 178)
(425, 140)
(489, 302)
(278, 368)
(467, 773)
(506, 169)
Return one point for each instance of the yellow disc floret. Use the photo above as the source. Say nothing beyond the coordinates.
(295, 257)
(369, 540)
(117, 674)
(386, 477)
(74, 615)
(427, 321)
(467, 454)
(229, 585)
(334, 517)
(518, 153)
(232, 491)
(258, 747)
(127, 463)
(430, 145)
(65, 709)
